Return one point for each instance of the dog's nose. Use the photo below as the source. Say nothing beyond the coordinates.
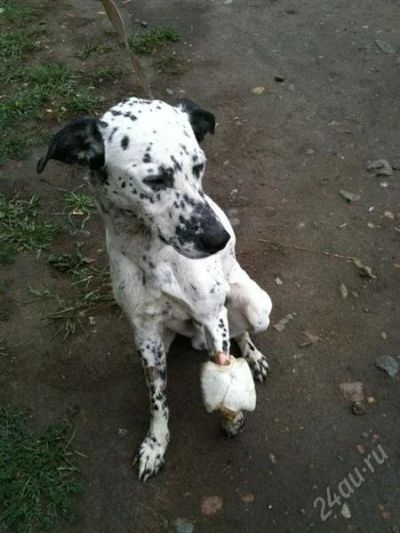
(214, 239)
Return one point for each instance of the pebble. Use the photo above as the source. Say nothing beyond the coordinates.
(344, 291)
(281, 325)
(358, 409)
(389, 214)
(345, 511)
(181, 525)
(352, 391)
(169, 91)
(380, 167)
(388, 364)
(349, 196)
(258, 90)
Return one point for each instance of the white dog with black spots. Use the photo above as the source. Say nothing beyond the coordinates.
(171, 248)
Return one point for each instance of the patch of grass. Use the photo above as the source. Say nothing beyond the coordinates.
(90, 48)
(153, 40)
(79, 204)
(92, 293)
(107, 74)
(170, 65)
(21, 226)
(17, 13)
(37, 474)
(50, 86)
(31, 94)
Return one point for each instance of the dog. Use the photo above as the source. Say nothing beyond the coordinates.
(171, 248)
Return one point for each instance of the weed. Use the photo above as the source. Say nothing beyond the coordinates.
(20, 225)
(92, 291)
(37, 474)
(90, 48)
(170, 65)
(153, 40)
(107, 74)
(80, 204)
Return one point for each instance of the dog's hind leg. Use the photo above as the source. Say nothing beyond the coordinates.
(150, 455)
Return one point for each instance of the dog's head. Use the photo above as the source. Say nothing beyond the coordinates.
(145, 158)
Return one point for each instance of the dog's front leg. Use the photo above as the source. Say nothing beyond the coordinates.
(150, 455)
(217, 335)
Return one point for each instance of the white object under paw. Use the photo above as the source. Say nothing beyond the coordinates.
(231, 386)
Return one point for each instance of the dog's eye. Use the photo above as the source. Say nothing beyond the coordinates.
(161, 181)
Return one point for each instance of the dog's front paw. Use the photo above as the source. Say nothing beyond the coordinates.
(259, 366)
(150, 457)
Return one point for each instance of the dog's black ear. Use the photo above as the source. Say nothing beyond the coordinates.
(80, 141)
(202, 121)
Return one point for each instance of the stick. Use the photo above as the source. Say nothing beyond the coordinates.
(116, 20)
(309, 250)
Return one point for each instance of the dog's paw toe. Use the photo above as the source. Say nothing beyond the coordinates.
(149, 457)
(259, 368)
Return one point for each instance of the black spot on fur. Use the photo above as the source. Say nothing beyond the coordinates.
(177, 165)
(116, 113)
(198, 169)
(110, 137)
(147, 158)
(125, 142)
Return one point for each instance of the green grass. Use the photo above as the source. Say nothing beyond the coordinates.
(33, 94)
(90, 293)
(37, 474)
(153, 40)
(90, 48)
(107, 74)
(21, 227)
(170, 65)
(79, 204)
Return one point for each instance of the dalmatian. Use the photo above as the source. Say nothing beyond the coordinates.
(171, 247)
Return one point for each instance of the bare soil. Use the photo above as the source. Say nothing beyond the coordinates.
(280, 158)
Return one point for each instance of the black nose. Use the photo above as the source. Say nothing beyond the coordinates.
(214, 239)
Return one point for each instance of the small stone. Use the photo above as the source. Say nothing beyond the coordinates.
(388, 364)
(279, 79)
(380, 167)
(291, 88)
(258, 90)
(363, 270)
(361, 448)
(122, 431)
(389, 214)
(345, 511)
(344, 291)
(281, 325)
(370, 225)
(384, 335)
(181, 525)
(169, 91)
(272, 458)
(358, 408)
(144, 24)
(385, 47)
(211, 505)
(247, 498)
(309, 339)
(349, 196)
(384, 184)
(352, 391)
(278, 281)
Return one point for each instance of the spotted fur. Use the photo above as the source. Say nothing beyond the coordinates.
(171, 248)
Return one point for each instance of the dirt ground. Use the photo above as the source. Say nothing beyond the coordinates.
(280, 159)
